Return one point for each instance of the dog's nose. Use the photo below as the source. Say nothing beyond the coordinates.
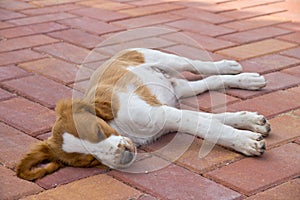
(127, 157)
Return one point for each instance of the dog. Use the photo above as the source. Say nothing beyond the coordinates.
(131, 101)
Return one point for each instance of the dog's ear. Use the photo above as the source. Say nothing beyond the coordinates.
(63, 107)
(103, 109)
(67, 107)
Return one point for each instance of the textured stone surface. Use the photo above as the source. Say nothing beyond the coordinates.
(15, 57)
(93, 187)
(4, 95)
(283, 101)
(197, 40)
(39, 89)
(41, 18)
(206, 28)
(246, 178)
(25, 42)
(11, 72)
(188, 185)
(67, 175)
(78, 37)
(146, 10)
(268, 63)
(255, 34)
(100, 14)
(13, 144)
(31, 29)
(57, 70)
(256, 49)
(282, 134)
(148, 20)
(27, 116)
(286, 191)
(70, 53)
(91, 25)
(13, 187)
(189, 157)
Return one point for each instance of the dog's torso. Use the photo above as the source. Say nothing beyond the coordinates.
(132, 118)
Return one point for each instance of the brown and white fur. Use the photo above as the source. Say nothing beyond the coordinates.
(131, 101)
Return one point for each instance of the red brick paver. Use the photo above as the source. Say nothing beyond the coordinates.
(252, 175)
(268, 63)
(78, 37)
(57, 70)
(191, 159)
(9, 183)
(91, 25)
(31, 29)
(26, 115)
(39, 89)
(283, 134)
(283, 101)
(41, 19)
(255, 34)
(4, 95)
(25, 42)
(70, 53)
(256, 49)
(12, 72)
(256, 22)
(13, 145)
(162, 183)
(50, 48)
(93, 187)
(287, 191)
(152, 9)
(67, 175)
(201, 27)
(24, 55)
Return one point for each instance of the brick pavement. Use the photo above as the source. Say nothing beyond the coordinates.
(43, 43)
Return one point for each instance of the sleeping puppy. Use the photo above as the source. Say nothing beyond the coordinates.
(131, 101)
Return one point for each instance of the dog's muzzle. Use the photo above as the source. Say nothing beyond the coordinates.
(128, 153)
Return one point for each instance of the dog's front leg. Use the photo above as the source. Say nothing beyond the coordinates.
(246, 142)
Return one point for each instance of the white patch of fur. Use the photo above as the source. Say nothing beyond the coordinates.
(138, 120)
(106, 151)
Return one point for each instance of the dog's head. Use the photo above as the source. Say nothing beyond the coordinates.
(84, 129)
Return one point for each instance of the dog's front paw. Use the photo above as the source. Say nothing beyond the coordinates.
(253, 122)
(260, 124)
(250, 144)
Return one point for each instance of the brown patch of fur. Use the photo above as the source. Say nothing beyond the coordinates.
(114, 76)
(144, 92)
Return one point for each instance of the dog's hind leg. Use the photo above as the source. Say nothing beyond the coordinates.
(174, 64)
(249, 81)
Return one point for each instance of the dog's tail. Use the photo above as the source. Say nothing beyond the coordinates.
(38, 162)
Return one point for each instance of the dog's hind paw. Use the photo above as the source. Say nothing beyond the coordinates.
(229, 67)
